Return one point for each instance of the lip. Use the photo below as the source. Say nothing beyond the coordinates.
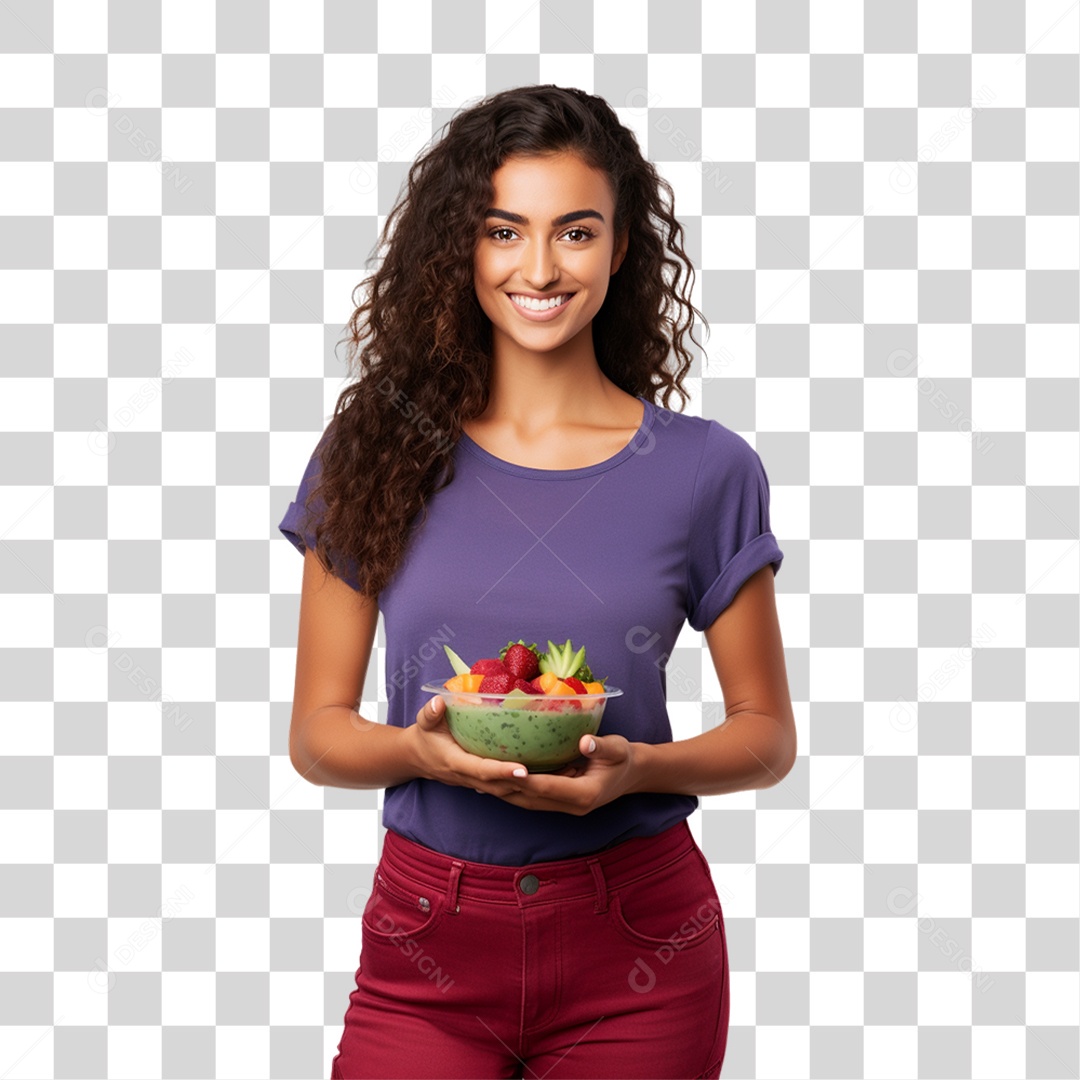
(539, 316)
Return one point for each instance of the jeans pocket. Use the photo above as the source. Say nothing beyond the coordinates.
(397, 910)
(674, 906)
(707, 871)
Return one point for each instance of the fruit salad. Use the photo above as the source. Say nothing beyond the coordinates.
(521, 670)
(524, 705)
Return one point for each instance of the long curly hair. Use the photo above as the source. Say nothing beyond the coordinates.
(420, 343)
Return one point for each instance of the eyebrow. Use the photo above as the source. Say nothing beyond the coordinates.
(564, 219)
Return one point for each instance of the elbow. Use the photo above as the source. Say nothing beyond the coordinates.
(786, 766)
(297, 762)
(307, 770)
(786, 753)
(298, 755)
(298, 765)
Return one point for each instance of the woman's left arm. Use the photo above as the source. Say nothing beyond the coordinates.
(755, 747)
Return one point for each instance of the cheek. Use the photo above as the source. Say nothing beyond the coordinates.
(488, 274)
(598, 284)
(482, 286)
(488, 298)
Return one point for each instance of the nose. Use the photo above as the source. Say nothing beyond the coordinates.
(539, 265)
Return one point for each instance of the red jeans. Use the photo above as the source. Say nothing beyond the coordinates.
(605, 965)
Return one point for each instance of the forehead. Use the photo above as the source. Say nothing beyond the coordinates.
(554, 181)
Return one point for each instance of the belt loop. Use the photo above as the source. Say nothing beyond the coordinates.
(452, 887)
(601, 884)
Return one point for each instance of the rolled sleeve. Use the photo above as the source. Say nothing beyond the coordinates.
(298, 524)
(730, 534)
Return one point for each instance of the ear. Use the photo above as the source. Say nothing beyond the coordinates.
(622, 242)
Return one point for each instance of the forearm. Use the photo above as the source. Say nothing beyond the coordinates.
(749, 750)
(337, 747)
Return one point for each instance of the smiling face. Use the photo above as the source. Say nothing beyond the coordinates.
(549, 233)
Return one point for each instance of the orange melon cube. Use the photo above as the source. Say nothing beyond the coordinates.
(468, 683)
(547, 681)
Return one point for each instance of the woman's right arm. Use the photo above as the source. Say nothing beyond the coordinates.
(330, 743)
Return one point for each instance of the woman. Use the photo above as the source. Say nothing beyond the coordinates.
(496, 473)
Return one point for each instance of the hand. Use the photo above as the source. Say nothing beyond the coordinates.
(437, 756)
(606, 772)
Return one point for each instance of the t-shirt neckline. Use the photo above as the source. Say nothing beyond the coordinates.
(632, 447)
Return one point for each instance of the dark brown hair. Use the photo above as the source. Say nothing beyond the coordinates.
(420, 344)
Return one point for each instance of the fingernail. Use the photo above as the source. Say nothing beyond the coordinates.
(592, 745)
(520, 772)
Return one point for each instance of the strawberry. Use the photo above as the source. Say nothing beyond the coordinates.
(524, 684)
(521, 661)
(488, 667)
(577, 684)
(497, 683)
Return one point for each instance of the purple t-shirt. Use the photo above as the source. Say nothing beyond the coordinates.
(615, 556)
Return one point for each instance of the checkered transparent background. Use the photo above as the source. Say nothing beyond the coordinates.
(882, 202)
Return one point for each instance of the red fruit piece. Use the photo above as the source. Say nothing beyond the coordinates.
(521, 661)
(577, 684)
(500, 683)
(524, 684)
(488, 667)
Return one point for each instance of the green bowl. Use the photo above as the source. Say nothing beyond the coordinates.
(542, 731)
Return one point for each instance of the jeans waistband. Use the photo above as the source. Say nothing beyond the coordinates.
(560, 879)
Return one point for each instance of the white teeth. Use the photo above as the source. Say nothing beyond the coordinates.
(533, 304)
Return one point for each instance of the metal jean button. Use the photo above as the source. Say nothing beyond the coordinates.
(529, 883)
